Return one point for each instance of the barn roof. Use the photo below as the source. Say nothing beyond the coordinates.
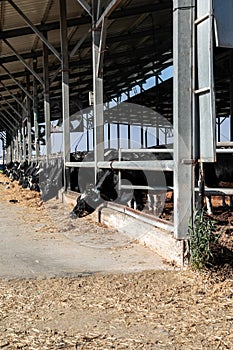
(138, 46)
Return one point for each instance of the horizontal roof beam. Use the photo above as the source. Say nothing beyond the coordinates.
(110, 40)
(35, 30)
(121, 13)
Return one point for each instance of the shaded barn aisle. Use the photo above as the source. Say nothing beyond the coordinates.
(40, 243)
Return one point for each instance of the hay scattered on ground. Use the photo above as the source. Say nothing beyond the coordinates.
(152, 310)
(149, 310)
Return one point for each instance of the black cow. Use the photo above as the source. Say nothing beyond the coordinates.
(216, 175)
(105, 188)
(51, 178)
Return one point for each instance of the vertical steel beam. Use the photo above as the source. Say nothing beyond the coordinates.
(46, 101)
(109, 135)
(65, 90)
(98, 94)
(183, 24)
(17, 144)
(146, 138)
(20, 144)
(88, 147)
(157, 134)
(35, 112)
(129, 135)
(118, 136)
(24, 140)
(231, 98)
(142, 136)
(29, 120)
(219, 128)
(231, 112)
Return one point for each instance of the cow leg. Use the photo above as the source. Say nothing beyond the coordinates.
(157, 204)
(159, 200)
(138, 198)
(231, 201)
(209, 205)
(150, 201)
(132, 203)
(224, 204)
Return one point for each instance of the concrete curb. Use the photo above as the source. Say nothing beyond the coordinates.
(160, 241)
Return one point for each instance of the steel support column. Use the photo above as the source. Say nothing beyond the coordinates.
(231, 106)
(17, 145)
(65, 91)
(98, 93)
(24, 143)
(20, 144)
(109, 135)
(118, 136)
(46, 102)
(29, 120)
(183, 24)
(129, 135)
(35, 112)
(142, 136)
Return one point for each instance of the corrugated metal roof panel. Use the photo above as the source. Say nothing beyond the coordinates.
(34, 10)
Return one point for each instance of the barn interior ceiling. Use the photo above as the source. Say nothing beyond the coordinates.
(138, 46)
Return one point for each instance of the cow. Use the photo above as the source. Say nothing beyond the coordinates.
(106, 187)
(216, 175)
(51, 178)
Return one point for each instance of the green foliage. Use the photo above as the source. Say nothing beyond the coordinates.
(201, 235)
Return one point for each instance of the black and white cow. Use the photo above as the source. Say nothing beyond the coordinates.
(218, 175)
(106, 187)
(51, 178)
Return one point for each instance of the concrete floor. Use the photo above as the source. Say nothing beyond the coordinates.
(27, 253)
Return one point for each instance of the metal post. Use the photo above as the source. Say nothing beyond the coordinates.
(24, 141)
(88, 146)
(65, 91)
(146, 138)
(183, 24)
(231, 98)
(142, 137)
(98, 93)
(231, 107)
(29, 121)
(129, 136)
(17, 144)
(46, 101)
(35, 112)
(3, 151)
(20, 143)
(109, 135)
(118, 136)
(219, 128)
(165, 134)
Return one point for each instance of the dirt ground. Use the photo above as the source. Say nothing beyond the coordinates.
(166, 309)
